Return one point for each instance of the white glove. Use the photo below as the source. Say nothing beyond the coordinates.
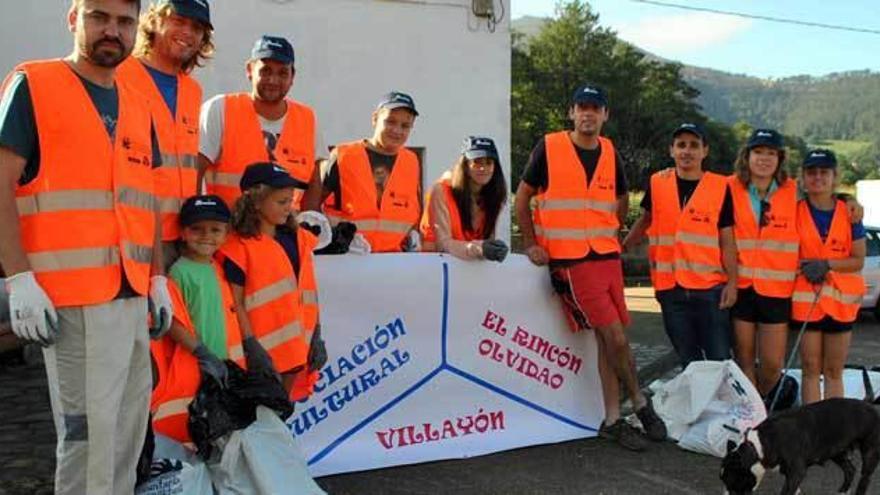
(31, 312)
(314, 218)
(159, 304)
(359, 245)
(413, 242)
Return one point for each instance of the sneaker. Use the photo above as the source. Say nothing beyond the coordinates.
(654, 427)
(625, 434)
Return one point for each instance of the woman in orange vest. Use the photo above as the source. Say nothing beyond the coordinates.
(263, 261)
(828, 290)
(464, 205)
(764, 207)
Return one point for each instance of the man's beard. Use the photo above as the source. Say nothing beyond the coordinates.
(106, 59)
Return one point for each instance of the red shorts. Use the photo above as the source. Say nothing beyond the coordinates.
(597, 287)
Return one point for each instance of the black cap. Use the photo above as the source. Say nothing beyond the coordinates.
(691, 128)
(590, 93)
(204, 207)
(198, 10)
(270, 174)
(273, 48)
(479, 147)
(396, 99)
(820, 158)
(765, 137)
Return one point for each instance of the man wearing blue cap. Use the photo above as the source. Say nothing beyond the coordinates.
(175, 37)
(375, 183)
(261, 126)
(578, 179)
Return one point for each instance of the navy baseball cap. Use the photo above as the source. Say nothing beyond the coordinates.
(691, 128)
(765, 137)
(396, 99)
(270, 174)
(479, 147)
(204, 207)
(590, 93)
(198, 10)
(820, 158)
(273, 48)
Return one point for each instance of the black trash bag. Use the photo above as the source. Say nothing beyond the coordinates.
(216, 411)
(787, 396)
(343, 234)
(143, 471)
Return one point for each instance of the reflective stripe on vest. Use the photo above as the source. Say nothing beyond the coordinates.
(99, 189)
(243, 144)
(684, 244)
(841, 294)
(178, 136)
(573, 217)
(767, 257)
(384, 227)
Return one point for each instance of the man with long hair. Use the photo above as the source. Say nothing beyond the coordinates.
(80, 243)
(174, 37)
(581, 190)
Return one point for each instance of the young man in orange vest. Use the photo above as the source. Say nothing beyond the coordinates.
(262, 126)
(581, 191)
(175, 37)
(375, 183)
(80, 242)
(688, 215)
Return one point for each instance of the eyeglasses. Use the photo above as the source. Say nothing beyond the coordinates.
(765, 210)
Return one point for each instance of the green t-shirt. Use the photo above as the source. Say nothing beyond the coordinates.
(200, 289)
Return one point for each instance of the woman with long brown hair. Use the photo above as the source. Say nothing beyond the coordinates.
(464, 205)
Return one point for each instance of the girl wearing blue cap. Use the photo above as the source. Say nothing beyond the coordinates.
(464, 205)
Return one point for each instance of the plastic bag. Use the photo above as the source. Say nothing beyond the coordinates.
(708, 404)
(262, 459)
(174, 471)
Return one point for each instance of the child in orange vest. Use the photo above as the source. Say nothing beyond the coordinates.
(268, 262)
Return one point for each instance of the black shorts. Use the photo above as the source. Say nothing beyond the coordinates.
(755, 308)
(825, 325)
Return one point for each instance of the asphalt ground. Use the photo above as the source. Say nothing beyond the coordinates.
(593, 466)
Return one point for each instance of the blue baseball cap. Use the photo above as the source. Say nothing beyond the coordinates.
(820, 158)
(198, 10)
(273, 48)
(691, 128)
(396, 99)
(270, 174)
(479, 147)
(204, 207)
(590, 93)
(765, 137)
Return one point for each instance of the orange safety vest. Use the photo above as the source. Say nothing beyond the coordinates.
(573, 218)
(271, 298)
(179, 376)
(767, 257)
(243, 144)
(88, 217)
(384, 227)
(685, 245)
(841, 295)
(457, 231)
(175, 179)
(304, 382)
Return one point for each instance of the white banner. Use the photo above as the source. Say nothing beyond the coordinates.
(436, 358)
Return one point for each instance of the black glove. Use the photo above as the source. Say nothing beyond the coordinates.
(495, 250)
(815, 271)
(211, 365)
(317, 351)
(343, 234)
(255, 356)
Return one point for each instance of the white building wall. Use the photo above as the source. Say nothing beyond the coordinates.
(349, 53)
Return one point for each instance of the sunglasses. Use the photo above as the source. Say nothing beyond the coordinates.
(764, 217)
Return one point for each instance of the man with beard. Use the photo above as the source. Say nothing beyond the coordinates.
(581, 191)
(264, 125)
(175, 36)
(80, 242)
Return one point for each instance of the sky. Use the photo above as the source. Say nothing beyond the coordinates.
(741, 45)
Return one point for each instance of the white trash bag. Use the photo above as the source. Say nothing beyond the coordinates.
(708, 404)
(175, 472)
(262, 459)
